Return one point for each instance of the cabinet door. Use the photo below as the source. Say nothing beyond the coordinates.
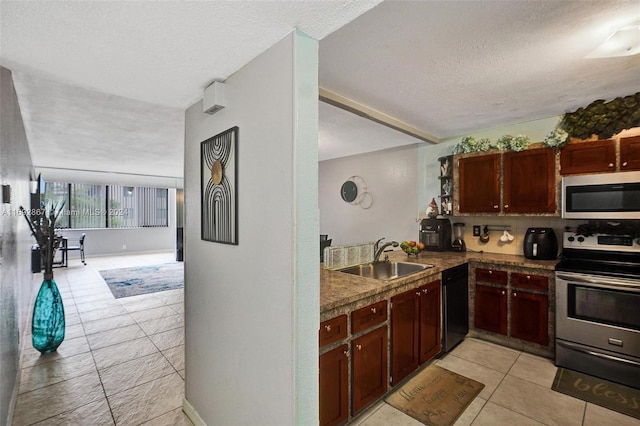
(630, 154)
(491, 309)
(479, 184)
(588, 157)
(404, 334)
(430, 341)
(530, 181)
(529, 317)
(334, 386)
(369, 367)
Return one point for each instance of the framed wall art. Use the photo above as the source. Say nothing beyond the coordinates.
(219, 187)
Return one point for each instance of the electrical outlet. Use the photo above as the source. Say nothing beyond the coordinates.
(476, 230)
(124, 247)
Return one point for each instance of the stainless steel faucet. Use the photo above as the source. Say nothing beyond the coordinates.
(380, 249)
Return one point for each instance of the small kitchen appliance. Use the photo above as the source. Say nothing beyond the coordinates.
(597, 299)
(458, 240)
(435, 234)
(540, 243)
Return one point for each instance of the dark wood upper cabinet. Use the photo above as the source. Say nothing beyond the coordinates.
(530, 181)
(588, 157)
(630, 154)
(479, 184)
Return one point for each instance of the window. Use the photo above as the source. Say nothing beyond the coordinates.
(109, 206)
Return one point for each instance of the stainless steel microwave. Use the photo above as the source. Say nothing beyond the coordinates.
(601, 196)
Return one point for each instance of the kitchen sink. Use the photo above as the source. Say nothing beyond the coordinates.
(385, 271)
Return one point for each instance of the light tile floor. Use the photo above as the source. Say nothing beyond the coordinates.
(122, 360)
(517, 392)
(122, 363)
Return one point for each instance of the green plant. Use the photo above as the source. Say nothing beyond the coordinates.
(556, 138)
(512, 143)
(602, 118)
(470, 144)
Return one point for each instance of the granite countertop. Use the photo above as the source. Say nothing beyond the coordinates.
(338, 288)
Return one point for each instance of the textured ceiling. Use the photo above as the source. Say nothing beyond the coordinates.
(453, 67)
(96, 79)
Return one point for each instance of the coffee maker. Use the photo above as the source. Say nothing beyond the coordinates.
(458, 237)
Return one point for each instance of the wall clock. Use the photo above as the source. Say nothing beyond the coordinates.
(354, 191)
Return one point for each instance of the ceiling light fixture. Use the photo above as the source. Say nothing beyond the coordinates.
(625, 41)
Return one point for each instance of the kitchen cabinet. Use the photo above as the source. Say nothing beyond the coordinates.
(334, 386)
(333, 373)
(529, 181)
(588, 157)
(369, 367)
(529, 320)
(415, 329)
(479, 184)
(630, 154)
(491, 309)
(529, 310)
(513, 304)
(368, 316)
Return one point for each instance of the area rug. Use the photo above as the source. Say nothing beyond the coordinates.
(435, 396)
(616, 397)
(125, 282)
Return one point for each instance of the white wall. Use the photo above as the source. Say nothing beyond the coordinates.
(252, 310)
(99, 242)
(390, 176)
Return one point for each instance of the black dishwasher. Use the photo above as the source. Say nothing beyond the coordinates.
(455, 306)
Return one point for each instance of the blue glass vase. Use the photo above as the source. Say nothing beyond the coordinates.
(47, 330)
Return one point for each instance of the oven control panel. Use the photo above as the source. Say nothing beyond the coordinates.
(605, 242)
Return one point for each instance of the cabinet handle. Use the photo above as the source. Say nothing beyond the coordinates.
(346, 353)
(373, 310)
(515, 294)
(417, 293)
(425, 291)
(624, 164)
(506, 206)
(610, 164)
(528, 277)
(327, 327)
(359, 347)
(490, 271)
(502, 292)
(495, 206)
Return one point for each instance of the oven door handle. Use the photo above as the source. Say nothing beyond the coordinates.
(599, 280)
(597, 354)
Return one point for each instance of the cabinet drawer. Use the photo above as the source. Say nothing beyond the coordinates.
(368, 316)
(333, 330)
(491, 276)
(534, 282)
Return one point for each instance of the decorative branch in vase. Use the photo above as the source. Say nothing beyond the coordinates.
(48, 323)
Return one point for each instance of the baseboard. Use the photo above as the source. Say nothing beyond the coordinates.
(192, 413)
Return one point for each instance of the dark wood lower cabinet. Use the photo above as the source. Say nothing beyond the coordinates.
(369, 367)
(415, 329)
(334, 386)
(430, 336)
(491, 309)
(529, 316)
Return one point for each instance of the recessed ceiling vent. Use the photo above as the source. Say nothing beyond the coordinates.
(214, 98)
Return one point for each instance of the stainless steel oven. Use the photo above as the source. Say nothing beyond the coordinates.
(598, 307)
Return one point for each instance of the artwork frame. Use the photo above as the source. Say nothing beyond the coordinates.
(219, 187)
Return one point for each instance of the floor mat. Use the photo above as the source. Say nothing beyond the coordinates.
(616, 397)
(435, 396)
